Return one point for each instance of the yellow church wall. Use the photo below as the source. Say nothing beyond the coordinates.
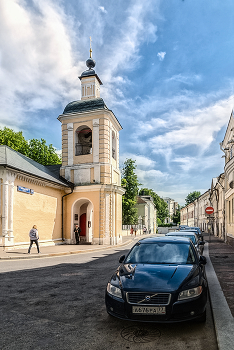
(116, 178)
(88, 194)
(43, 208)
(118, 216)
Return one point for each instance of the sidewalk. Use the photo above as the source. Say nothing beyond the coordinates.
(61, 249)
(220, 275)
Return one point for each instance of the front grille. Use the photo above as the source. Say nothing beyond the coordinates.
(144, 298)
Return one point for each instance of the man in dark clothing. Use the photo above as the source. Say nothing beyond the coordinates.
(77, 231)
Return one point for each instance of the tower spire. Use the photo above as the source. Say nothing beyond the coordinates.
(90, 50)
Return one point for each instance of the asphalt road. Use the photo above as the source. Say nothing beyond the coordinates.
(58, 303)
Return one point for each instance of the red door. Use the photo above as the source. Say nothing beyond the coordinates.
(83, 224)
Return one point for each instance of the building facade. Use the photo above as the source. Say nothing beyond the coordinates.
(147, 213)
(220, 196)
(84, 190)
(172, 207)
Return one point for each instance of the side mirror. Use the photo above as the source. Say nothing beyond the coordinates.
(202, 260)
(121, 259)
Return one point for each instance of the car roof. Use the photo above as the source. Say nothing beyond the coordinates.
(165, 239)
(189, 231)
(181, 233)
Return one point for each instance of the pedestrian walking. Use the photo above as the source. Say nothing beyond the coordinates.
(131, 231)
(34, 237)
(135, 231)
(77, 231)
(144, 230)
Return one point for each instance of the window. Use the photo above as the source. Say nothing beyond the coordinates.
(83, 141)
(113, 145)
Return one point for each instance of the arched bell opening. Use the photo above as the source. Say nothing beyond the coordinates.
(83, 140)
(82, 215)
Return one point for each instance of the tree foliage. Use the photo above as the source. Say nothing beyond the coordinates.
(192, 196)
(161, 205)
(130, 183)
(34, 148)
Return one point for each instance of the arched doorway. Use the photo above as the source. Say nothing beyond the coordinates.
(83, 225)
(82, 215)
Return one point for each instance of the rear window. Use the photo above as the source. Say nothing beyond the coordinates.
(161, 253)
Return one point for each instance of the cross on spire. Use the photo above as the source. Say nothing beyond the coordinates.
(90, 50)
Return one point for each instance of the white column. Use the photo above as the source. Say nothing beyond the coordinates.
(114, 219)
(5, 209)
(96, 150)
(95, 140)
(70, 143)
(10, 212)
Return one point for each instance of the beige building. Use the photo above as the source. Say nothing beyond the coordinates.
(220, 196)
(227, 146)
(172, 207)
(147, 213)
(84, 190)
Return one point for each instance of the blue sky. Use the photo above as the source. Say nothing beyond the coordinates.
(167, 69)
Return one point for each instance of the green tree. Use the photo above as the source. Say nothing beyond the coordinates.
(34, 149)
(130, 183)
(192, 196)
(41, 153)
(161, 205)
(14, 140)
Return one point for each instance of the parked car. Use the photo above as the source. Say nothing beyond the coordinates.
(162, 279)
(183, 227)
(199, 245)
(195, 229)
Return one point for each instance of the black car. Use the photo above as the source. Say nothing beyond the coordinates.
(162, 279)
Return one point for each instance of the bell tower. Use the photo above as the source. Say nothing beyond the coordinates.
(90, 155)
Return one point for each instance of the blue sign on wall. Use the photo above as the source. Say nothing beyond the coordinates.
(25, 190)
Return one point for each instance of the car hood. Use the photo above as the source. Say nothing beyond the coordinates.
(153, 277)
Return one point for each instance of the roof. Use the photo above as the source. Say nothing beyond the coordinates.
(165, 239)
(182, 233)
(85, 105)
(15, 160)
(140, 200)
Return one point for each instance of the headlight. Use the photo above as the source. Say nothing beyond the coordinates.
(116, 292)
(190, 293)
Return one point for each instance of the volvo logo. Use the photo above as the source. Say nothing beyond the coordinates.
(147, 298)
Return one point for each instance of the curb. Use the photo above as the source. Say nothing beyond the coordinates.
(223, 319)
(38, 256)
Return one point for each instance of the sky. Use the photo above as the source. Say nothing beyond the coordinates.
(167, 69)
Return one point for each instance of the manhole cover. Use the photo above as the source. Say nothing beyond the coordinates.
(140, 335)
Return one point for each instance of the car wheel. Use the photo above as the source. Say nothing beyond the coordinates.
(202, 318)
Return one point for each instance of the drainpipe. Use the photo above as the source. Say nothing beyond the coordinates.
(71, 185)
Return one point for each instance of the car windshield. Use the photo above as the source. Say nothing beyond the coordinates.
(161, 253)
(192, 237)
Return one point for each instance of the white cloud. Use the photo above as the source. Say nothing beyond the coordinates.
(37, 65)
(141, 161)
(189, 79)
(161, 55)
(102, 9)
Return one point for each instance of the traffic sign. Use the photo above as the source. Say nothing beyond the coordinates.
(209, 210)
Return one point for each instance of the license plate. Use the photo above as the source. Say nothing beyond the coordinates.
(149, 310)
